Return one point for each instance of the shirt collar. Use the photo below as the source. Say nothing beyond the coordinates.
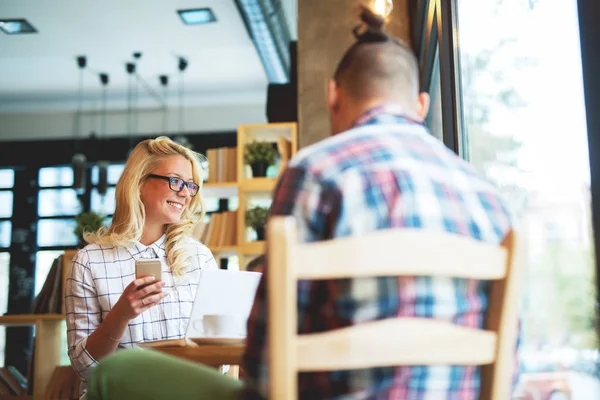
(386, 112)
(156, 249)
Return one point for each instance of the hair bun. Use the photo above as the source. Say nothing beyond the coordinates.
(371, 30)
(373, 21)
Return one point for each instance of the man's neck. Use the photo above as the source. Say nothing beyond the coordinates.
(355, 111)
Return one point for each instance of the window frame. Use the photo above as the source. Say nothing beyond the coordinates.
(9, 219)
(433, 28)
(52, 217)
(589, 35)
(450, 78)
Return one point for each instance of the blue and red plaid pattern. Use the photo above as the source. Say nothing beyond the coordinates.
(385, 172)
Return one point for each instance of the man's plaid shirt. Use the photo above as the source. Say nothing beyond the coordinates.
(385, 172)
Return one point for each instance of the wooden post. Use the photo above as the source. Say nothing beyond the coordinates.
(47, 354)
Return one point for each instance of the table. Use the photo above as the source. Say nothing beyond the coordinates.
(214, 355)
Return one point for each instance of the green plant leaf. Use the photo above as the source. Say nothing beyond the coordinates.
(88, 222)
(259, 152)
(256, 217)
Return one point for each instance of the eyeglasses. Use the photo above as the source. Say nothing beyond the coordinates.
(177, 184)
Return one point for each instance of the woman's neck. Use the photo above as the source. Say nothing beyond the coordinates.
(151, 234)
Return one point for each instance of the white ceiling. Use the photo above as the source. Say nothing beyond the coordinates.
(39, 71)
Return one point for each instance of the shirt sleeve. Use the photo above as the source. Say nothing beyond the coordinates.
(209, 261)
(206, 258)
(83, 314)
(314, 204)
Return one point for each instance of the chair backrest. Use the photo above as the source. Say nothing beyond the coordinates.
(400, 341)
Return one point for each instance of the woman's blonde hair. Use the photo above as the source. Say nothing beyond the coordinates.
(128, 220)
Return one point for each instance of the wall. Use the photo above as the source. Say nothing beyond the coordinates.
(61, 124)
(324, 33)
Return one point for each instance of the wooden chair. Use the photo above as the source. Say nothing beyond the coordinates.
(399, 341)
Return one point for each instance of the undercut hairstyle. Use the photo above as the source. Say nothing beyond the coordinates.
(378, 65)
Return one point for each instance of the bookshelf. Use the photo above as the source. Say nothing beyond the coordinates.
(247, 188)
(254, 190)
(48, 336)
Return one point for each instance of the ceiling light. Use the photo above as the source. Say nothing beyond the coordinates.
(16, 26)
(268, 30)
(383, 7)
(197, 16)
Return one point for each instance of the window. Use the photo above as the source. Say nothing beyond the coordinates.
(56, 176)
(524, 125)
(6, 204)
(53, 202)
(7, 178)
(56, 232)
(113, 173)
(105, 204)
(58, 205)
(5, 233)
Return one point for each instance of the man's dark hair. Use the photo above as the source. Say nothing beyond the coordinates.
(378, 65)
(255, 263)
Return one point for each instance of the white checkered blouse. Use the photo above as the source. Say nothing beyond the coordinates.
(97, 279)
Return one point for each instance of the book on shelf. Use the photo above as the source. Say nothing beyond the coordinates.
(220, 231)
(222, 164)
(12, 383)
(49, 300)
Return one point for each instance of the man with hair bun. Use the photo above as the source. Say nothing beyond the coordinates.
(381, 169)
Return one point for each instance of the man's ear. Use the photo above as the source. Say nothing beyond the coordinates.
(423, 105)
(332, 96)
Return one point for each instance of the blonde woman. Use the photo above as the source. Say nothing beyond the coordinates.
(157, 198)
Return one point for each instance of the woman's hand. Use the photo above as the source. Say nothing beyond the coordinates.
(140, 295)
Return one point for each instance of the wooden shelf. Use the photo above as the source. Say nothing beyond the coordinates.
(257, 247)
(29, 319)
(283, 135)
(258, 185)
(220, 249)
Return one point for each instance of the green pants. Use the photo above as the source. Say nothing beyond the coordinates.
(147, 374)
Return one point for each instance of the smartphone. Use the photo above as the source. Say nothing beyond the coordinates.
(144, 267)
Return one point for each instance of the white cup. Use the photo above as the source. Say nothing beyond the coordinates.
(225, 326)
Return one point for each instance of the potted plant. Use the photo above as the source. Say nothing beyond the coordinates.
(256, 217)
(87, 222)
(259, 155)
